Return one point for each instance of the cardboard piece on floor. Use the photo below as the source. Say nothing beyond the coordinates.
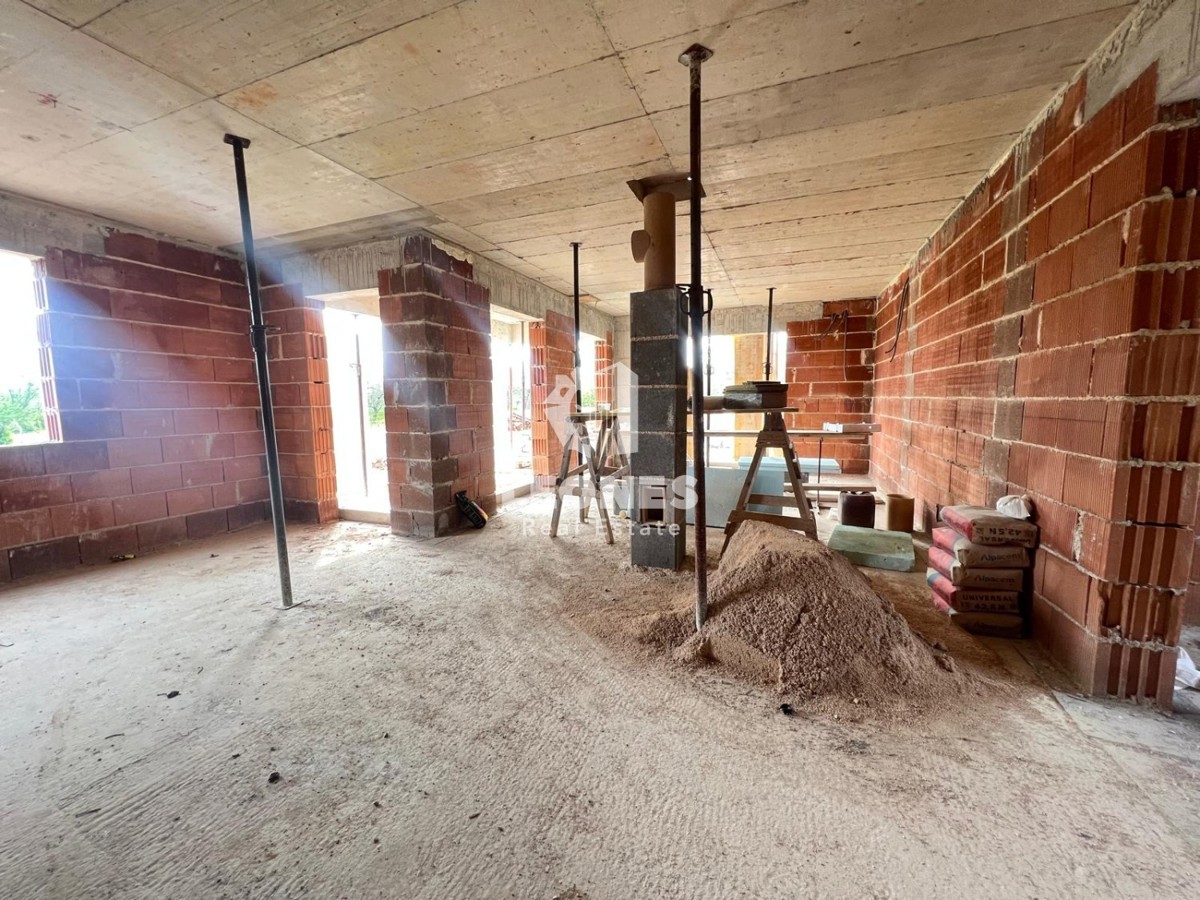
(873, 548)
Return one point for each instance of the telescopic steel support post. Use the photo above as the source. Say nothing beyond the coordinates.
(708, 368)
(362, 410)
(575, 268)
(258, 340)
(693, 58)
(770, 316)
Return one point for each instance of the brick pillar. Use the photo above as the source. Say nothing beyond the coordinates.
(829, 374)
(552, 367)
(300, 394)
(437, 388)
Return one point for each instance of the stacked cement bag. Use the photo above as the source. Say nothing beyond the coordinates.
(978, 569)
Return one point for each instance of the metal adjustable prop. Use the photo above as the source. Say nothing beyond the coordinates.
(258, 339)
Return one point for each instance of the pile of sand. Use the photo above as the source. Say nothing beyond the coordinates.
(786, 611)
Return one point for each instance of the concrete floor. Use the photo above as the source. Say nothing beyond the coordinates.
(445, 727)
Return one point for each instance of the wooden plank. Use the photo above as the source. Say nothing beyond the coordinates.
(826, 485)
(793, 522)
(771, 500)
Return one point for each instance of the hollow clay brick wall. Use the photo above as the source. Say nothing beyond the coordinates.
(1051, 346)
(299, 368)
(147, 360)
(437, 388)
(829, 371)
(552, 366)
(604, 370)
(1191, 606)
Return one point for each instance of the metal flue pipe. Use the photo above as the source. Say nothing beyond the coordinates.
(258, 340)
(694, 57)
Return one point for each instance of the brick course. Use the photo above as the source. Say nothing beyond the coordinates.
(299, 372)
(153, 406)
(829, 369)
(1085, 397)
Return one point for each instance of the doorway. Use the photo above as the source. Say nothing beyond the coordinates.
(512, 405)
(354, 339)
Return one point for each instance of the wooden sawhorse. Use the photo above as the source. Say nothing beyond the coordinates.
(598, 467)
(774, 434)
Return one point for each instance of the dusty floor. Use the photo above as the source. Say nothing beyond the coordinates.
(448, 724)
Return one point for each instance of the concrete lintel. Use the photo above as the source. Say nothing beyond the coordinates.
(32, 226)
(355, 267)
(753, 319)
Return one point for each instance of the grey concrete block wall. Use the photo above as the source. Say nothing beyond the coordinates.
(657, 326)
(656, 361)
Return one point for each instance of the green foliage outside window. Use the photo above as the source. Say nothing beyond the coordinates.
(21, 412)
(375, 404)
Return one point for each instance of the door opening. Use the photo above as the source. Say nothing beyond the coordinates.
(354, 338)
(512, 405)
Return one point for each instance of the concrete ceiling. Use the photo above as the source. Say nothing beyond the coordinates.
(838, 133)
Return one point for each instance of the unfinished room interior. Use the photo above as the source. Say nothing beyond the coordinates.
(599, 449)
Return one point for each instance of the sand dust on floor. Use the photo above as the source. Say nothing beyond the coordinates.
(787, 612)
(446, 723)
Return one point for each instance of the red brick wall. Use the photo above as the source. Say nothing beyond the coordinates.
(1050, 347)
(437, 388)
(552, 351)
(604, 370)
(1191, 606)
(147, 357)
(299, 369)
(829, 375)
